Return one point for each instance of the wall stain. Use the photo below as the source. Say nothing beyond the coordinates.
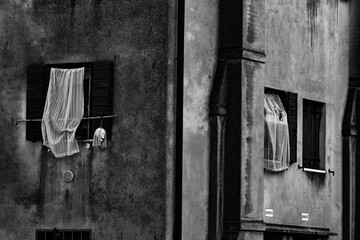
(42, 182)
(252, 20)
(67, 199)
(72, 14)
(312, 10)
(249, 72)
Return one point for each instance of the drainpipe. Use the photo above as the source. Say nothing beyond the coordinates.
(235, 206)
(217, 121)
(179, 119)
(350, 126)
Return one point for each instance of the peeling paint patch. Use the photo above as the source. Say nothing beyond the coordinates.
(196, 27)
(312, 10)
(189, 36)
(250, 109)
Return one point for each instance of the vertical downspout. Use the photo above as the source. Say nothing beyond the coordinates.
(217, 119)
(351, 166)
(179, 119)
(236, 187)
(349, 138)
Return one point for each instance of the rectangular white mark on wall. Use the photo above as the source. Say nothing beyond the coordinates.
(269, 212)
(305, 217)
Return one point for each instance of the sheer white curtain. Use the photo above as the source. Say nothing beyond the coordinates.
(276, 135)
(64, 109)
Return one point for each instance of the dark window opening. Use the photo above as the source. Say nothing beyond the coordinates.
(62, 234)
(313, 134)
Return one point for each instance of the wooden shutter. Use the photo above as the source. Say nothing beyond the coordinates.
(35, 100)
(306, 135)
(292, 121)
(312, 115)
(101, 95)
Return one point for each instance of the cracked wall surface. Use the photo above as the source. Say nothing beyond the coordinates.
(119, 192)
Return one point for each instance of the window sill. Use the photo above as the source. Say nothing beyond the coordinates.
(84, 140)
(304, 230)
(314, 170)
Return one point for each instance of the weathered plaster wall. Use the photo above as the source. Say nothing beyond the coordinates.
(119, 192)
(307, 52)
(252, 79)
(199, 64)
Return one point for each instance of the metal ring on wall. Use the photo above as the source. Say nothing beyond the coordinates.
(68, 176)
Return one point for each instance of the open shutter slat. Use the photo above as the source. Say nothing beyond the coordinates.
(101, 96)
(292, 121)
(35, 98)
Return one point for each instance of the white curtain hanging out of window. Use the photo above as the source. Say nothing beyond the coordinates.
(276, 135)
(63, 111)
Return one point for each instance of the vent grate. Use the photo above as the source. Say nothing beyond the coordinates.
(63, 234)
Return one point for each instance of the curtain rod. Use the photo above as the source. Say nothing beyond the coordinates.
(84, 118)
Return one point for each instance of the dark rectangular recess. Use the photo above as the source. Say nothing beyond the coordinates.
(313, 134)
(34, 99)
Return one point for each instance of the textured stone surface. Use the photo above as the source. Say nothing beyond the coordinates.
(119, 192)
(252, 82)
(307, 52)
(200, 49)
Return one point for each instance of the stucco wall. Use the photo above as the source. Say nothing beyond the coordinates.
(119, 192)
(199, 64)
(307, 53)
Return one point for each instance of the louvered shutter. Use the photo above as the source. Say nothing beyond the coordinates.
(292, 121)
(101, 95)
(35, 100)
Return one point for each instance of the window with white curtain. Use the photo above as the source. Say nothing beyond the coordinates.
(64, 109)
(276, 134)
(97, 97)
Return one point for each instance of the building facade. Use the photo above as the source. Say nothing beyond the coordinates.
(184, 83)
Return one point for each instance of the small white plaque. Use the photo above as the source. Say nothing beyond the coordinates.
(269, 212)
(305, 217)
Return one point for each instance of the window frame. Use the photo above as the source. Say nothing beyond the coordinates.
(99, 92)
(290, 102)
(313, 149)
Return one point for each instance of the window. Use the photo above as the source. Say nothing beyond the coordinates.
(62, 234)
(97, 97)
(276, 135)
(313, 134)
(280, 129)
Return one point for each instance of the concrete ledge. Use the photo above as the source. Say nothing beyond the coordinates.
(255, 55)
(292, 229)
(245, 225)
(261, 226)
